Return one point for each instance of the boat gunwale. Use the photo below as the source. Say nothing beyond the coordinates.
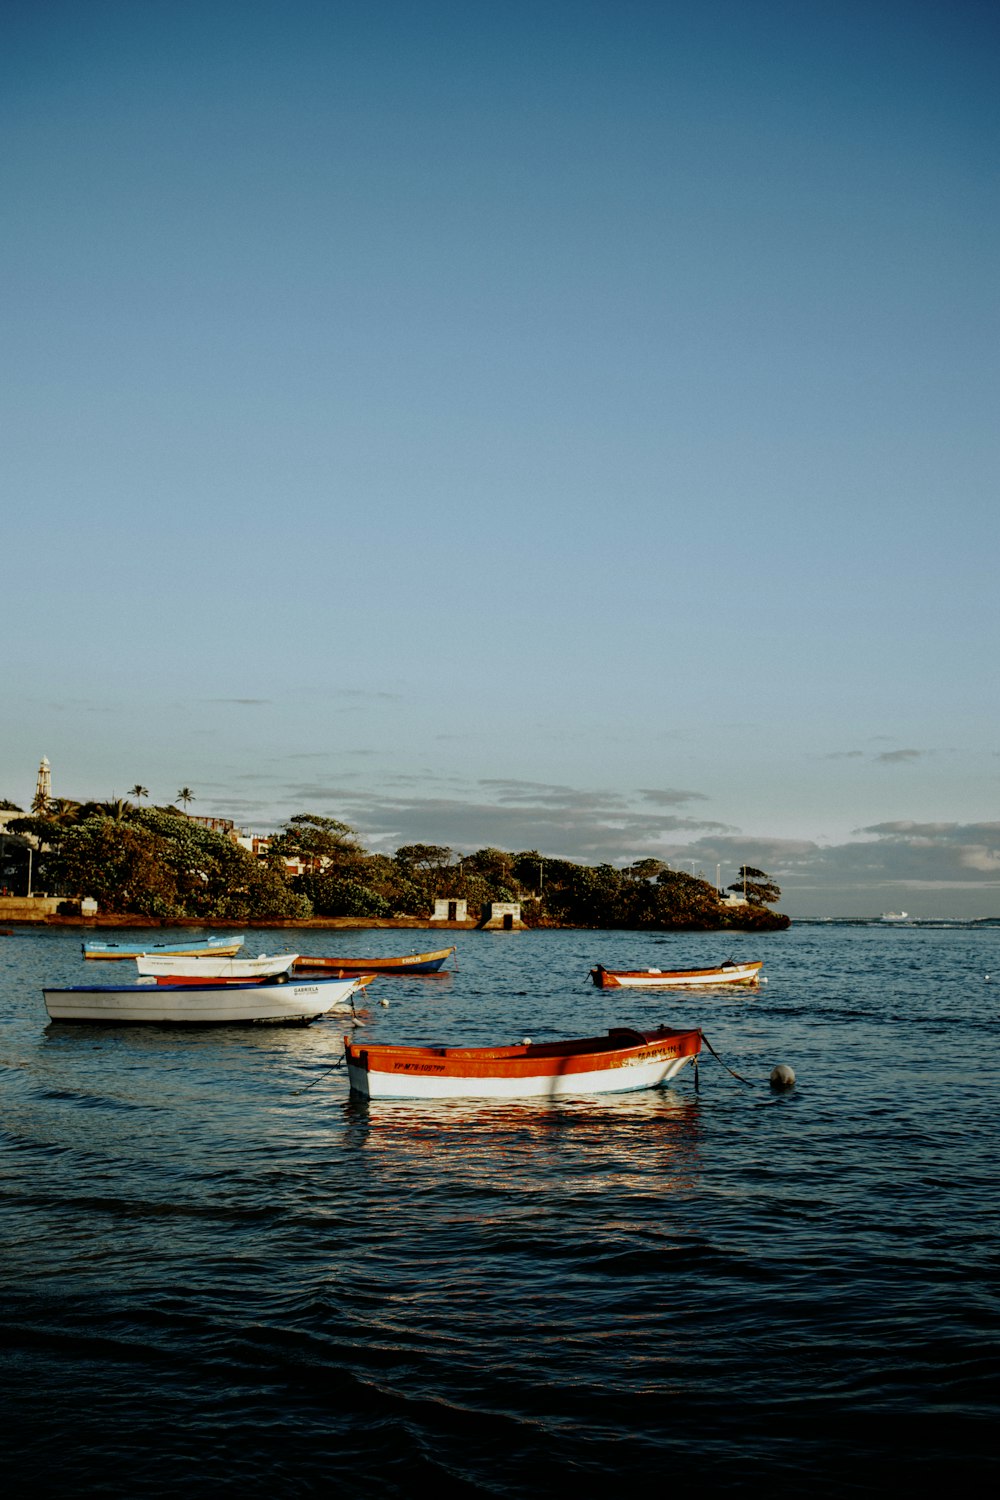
(753, 963)
(587, 1048)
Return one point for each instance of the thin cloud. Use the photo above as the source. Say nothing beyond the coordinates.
(669, 797)
(573, 830)
(537, 793)
(897, 757)
(904, 830)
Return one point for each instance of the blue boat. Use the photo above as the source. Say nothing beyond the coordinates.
(219, 947)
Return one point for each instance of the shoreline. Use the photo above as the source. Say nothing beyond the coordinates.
(319, 924)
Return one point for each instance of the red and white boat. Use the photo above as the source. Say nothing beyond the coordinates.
(747, 975)
(622, 1061)
(167, 967)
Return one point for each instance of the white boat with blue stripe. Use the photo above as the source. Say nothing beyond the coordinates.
(213, 1004)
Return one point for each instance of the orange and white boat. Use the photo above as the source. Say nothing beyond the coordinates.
(747, 975)
(621, 1062)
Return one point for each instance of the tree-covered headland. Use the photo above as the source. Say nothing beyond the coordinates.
(161, 863)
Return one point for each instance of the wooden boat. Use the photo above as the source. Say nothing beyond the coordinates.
(218, 947)
(411, 963)
(214, 1003)
(747, 975)
(198, 966)
(622, 1061)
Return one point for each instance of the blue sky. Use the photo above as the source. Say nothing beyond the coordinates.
(558, 425)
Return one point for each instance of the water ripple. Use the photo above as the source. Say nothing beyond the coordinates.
(214, 1280)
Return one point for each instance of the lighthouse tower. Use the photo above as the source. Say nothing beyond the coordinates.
(43, 787)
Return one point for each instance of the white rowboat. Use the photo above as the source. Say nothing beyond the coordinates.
(198, 967)
(747, 975)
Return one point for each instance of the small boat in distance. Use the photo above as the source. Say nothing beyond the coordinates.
(621, 1062)
(731, 973)
(411, 963)
(203, 966)
(219, 947)
(215, 1003)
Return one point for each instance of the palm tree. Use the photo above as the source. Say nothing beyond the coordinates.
(64, 811)
(117, 808)
(138, 791)
(185, 795)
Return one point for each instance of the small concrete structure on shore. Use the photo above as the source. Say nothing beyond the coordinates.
(504, 916)
(446, 910)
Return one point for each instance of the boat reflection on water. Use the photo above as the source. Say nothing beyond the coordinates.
(647, 1141)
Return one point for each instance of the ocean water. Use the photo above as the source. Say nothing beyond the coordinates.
(222, 1274)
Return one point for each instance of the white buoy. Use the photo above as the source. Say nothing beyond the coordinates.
(782, 1077)
(526, 1041)
(384, 1004)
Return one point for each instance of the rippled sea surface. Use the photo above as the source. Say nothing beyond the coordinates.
(223, 1274)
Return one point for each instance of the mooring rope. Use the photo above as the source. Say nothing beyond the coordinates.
(319, 1078)
(728, 1069)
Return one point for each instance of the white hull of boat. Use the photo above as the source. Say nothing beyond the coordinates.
(745, 975)
(624, 1079)
(217, 947)
(196, 967)
(185, 1005)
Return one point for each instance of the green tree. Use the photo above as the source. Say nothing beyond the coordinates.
(64, 811)
(138, 791)
(160, 863)
(528, 868)
(186, 796)
(682, 900)
(117, 808)
(336, 895)
(424, 857)
(120, 864)
(308, 836)
(495, 867)
(759, 889)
